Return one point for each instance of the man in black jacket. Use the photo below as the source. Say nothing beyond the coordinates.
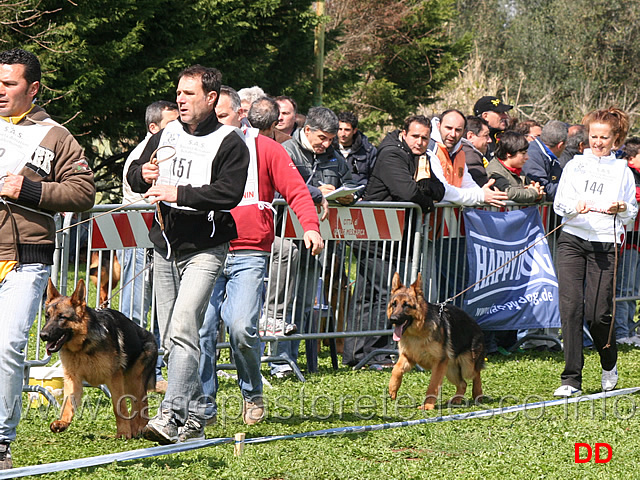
(195, 188)
(402, 173)
(355, 148)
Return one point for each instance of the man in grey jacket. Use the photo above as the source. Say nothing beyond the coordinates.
(323, 170)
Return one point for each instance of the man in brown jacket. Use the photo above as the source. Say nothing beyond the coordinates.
(43, 171)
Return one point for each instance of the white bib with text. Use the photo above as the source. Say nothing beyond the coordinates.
(193, 158)
(18, 144)
(599, 183)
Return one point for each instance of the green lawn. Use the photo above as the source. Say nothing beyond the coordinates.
(534, 444)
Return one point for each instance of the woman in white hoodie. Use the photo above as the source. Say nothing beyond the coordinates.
(596, 198)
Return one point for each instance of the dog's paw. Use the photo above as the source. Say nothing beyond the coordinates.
(59, 426)
(427, 406)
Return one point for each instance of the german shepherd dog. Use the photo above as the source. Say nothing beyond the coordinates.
(448, 342)
(100, 347)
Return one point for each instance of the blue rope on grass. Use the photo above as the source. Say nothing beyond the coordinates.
(184, 447)
(447, 418)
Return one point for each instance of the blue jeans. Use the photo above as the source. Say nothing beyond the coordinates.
(628, 285)
(237, 298)
(135, 296)
(309, 271)
(20, 295)
(183, 289)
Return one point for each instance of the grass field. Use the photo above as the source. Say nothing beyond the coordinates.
(524, 445)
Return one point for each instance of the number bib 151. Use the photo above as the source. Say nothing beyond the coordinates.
(193, 158)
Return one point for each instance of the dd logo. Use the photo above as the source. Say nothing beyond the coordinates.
(598, 448)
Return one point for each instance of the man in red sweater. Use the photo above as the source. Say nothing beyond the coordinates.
(238, 294)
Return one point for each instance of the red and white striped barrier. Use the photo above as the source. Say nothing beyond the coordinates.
(121, 230)
(354, 223)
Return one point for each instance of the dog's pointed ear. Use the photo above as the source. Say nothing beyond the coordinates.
(52, 291)
(417, 285)
(396, 283)
(77, 298)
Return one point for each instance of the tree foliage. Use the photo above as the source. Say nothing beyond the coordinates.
(390, 56)
(104, 61)
(564, 59)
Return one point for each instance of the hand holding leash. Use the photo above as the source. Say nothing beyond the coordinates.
(151, 169)
(617, 207)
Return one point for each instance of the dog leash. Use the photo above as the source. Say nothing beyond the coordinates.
(615, 281)
(153, 160)
(122, 286)
(442, 305)
(450, 299)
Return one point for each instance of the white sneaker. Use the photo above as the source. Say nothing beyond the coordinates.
(625, 341)
(567, 391)
(609, 378)
(282, 371)
(634, 340)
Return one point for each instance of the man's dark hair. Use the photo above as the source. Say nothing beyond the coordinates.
(447, 112)
(474, 125)
(264, 112)
(322, 118)
(578, 137)
(17, 56)
(631, 147)
(348, 117)
(525, 126)
(421, 119)
(511, 142)
(211, 78)
(281, 98)
(153, 114)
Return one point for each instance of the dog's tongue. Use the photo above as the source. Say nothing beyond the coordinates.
(397, 332)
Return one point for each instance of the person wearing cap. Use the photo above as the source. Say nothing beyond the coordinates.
(494, 112)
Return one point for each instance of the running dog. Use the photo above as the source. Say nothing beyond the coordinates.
(444, 340)
(100, 347)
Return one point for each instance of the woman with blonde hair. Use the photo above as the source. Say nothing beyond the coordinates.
(596, 198)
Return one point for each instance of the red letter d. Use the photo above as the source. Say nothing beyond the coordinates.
(609, 450)
(577, 453)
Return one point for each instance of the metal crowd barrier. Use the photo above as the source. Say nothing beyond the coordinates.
(339, 297)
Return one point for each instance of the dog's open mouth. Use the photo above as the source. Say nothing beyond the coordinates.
(398, 330)
(54, 345)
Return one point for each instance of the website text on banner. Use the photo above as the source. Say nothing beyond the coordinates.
(523, 293)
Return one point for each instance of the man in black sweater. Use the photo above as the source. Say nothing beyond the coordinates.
(195, 189)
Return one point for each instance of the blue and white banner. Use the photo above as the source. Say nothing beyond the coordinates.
(522, 294)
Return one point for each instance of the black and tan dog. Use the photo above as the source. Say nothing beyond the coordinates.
(448, 342)
(100, 347)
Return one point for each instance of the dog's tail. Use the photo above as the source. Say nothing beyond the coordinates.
(477, 350)
(149, 357)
